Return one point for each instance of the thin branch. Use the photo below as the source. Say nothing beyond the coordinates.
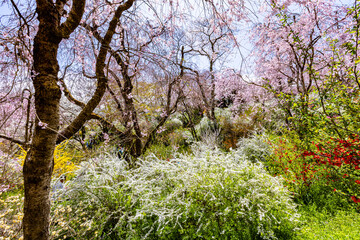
(21, 143)
(83, 116)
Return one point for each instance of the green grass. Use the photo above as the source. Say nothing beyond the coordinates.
(340, 225)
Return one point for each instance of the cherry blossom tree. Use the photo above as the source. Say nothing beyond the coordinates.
(212, 40)
(294, 43)
(235, 91)
(131, 57)
(135, 54)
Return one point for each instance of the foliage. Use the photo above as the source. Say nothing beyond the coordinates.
(172, 133)
(173, 124)
(308, 63)
(229, 127)
(322, 225)
(161, 151)
(310, 67)
(204, 126)
(340, 158)
(208, 132)
(255, 148)
(329, 186)
(192, 115)
(64, 162)
(235, 125)
(208, 195)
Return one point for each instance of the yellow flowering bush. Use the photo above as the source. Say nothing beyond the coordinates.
(63, 163)
(11, 202)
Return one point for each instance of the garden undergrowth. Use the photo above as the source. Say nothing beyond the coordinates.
(183, 195)
(324, 225)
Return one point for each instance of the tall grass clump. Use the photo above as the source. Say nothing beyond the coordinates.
(207, 195)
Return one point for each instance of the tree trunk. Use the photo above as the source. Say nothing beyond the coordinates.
(212, 94)
(39, 160)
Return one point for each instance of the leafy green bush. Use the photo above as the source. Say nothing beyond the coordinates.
(160, 150)
(205, 125)
(173, 124)
(210, 195)
(310, 178)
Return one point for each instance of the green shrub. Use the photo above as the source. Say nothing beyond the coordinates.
(173, 124)
(323, 185)
(205, 125)
(255, 149)
(160, 150)
(173, 134)
(209, 195)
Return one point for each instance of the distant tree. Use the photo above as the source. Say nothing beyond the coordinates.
(211, 39)
(293, 44)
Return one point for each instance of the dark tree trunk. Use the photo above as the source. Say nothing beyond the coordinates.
(39, 161)
(38, 166)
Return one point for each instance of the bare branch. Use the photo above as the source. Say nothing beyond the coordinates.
(21, 143)
(69, 96)
(83, 116)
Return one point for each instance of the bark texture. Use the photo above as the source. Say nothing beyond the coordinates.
(39, 163)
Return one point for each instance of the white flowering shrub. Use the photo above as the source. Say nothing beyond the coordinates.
(255, 148)
(208, 195)
(204, 126)
(173, 123)
(209, 132)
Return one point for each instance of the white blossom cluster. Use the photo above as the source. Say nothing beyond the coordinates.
(207, 194)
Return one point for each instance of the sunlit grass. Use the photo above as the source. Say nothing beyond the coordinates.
(340, 225)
